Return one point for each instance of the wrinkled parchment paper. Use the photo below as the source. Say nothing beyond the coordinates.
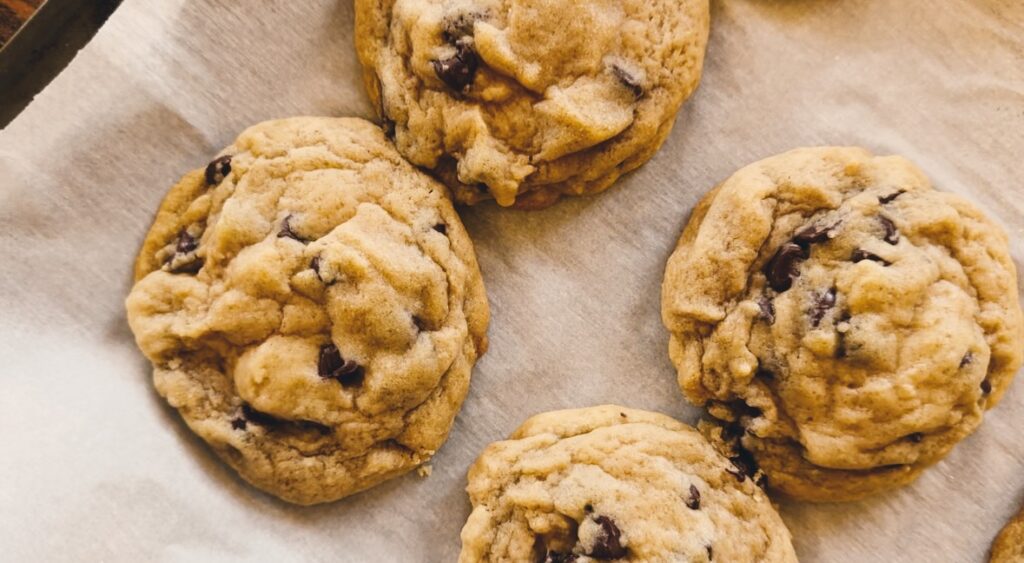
(94, 466)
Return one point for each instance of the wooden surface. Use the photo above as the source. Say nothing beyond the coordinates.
(14, 13)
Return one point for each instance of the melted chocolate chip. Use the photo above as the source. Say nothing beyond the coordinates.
(860, 255)
(745, 465)
(191, 267)
(559, 557)
(892, 235)
(459, 70)
(332, 366)
(608, 543)
(186, 243)
(815, 233)
(238, 423)
(693, 502)
(217, 170)
(886, 199)
(287, 232)
(441, 228)
(916, 437)
(782, 268)
(823, 302)
(967, 359)
(986, 387)
(767, 309)
(629, 81)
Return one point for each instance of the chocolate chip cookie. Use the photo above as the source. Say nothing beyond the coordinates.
(312, 306)
(523, 101)
(846, 323)
(610, 483)
(1009, 544)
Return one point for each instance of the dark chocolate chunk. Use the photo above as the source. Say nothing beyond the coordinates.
(217, 170)
(815, 233)
(559, 557)
(459, 70)
(767, 309)
(916, 437)
(782, 268)
(441, 228)
(886, 199)
(986, 386)
(332, 366)
(608, 543)
(238, 423)
(860, 255)
(287, 232)
(191, 267)
(180, 261)
(823, 302)
(693, 502)
(967, 359)
(892, 235)
(629, 81)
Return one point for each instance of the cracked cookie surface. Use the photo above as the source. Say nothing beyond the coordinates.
(523, 101)
(312, 306)
(614, 484)
(845, 322)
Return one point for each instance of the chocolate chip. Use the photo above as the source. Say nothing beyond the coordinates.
(860, 255)
(782, 268)
(332, 366)
(629, 81)
(608, 543)
(892, 235)
(767, 309)
(815, 233)
(762, 481)
(622, 414)
(217, 170)
(459, 70)
(180, 262)
(744, 463)
(823, 303)
(186, 243)
(287, 232)
(916, 437)
(710, 553)
(588, 508)
(886, 199)
(238, 423)
(967, 359)
(693, 503)
(559, 557)
(986, 386)
(441, 228)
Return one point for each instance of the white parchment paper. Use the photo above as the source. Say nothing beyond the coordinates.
(94, 466)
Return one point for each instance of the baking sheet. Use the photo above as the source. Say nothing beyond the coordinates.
(93, 465)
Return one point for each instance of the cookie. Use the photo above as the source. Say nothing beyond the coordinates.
(1009, 544)
(846, 323)
(610, 483)
(312, 306)
(524, 101)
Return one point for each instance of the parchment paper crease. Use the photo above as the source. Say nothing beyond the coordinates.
(93, 465)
